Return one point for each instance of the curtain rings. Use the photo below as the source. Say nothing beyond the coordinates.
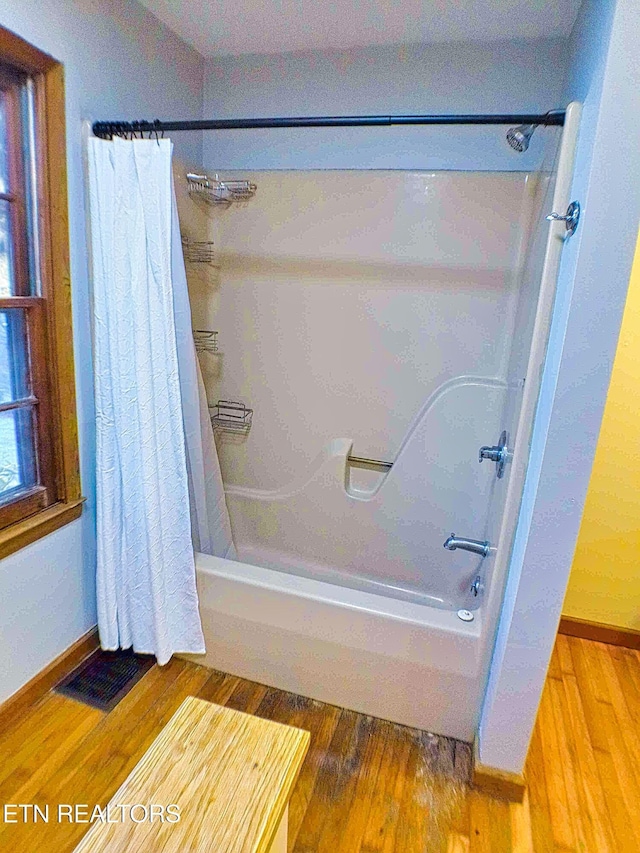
(136, 130)
(158, 132)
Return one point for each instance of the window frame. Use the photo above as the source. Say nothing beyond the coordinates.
(57, 499)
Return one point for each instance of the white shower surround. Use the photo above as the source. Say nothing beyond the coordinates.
(399, 659)
(385, 539)
(371, 309)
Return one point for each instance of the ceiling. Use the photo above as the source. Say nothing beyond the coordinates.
(233, 27)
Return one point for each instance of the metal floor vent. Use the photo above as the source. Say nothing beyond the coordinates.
(105, 678)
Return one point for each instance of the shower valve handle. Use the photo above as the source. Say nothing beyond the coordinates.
(498, 453)
(493, 453)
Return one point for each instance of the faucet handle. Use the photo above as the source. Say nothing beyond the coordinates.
(498, 453)
(490, 452)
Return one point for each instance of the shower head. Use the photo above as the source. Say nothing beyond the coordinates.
(518, 137)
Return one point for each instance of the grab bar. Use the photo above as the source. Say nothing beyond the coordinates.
(376, 464)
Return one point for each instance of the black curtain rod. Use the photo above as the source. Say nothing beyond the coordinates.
(107, 129)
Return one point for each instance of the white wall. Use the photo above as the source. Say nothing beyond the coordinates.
(120, 62)
(509, 76)
(592, 287)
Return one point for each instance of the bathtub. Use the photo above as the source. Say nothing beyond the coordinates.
(406, 662)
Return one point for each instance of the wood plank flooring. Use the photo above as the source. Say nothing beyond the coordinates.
(367, 786)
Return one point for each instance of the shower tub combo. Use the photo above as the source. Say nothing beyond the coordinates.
(383, 326)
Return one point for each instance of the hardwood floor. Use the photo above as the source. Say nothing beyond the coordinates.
(367, 786)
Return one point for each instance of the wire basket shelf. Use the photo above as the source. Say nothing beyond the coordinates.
(217, 192)
(230, 416)
(205, 340)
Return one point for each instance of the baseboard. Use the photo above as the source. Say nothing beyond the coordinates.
(601, 633)
(496, 783)
(47, 678)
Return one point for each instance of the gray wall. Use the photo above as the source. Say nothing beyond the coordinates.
(120, 62)
(592, 287)
(510, 76)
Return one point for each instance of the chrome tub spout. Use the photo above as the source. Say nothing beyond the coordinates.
(454, 542)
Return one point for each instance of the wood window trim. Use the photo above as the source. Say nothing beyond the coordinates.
(48, 75)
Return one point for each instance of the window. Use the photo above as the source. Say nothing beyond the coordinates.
(39, 476)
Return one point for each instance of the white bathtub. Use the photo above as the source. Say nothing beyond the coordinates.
(398, 660)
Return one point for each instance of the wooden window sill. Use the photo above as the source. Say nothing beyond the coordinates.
(40, 524)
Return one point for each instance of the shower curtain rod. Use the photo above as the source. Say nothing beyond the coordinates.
(108, 129)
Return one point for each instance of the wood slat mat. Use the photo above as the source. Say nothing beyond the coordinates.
(230, 775)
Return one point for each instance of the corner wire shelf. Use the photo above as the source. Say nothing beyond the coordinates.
(230, 416)
(195, 252)
(205, 340)
(216, 192)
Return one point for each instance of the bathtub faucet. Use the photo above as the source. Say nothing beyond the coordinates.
(474, 545)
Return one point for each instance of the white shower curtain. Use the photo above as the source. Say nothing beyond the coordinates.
(158, 478)
(210, 525)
